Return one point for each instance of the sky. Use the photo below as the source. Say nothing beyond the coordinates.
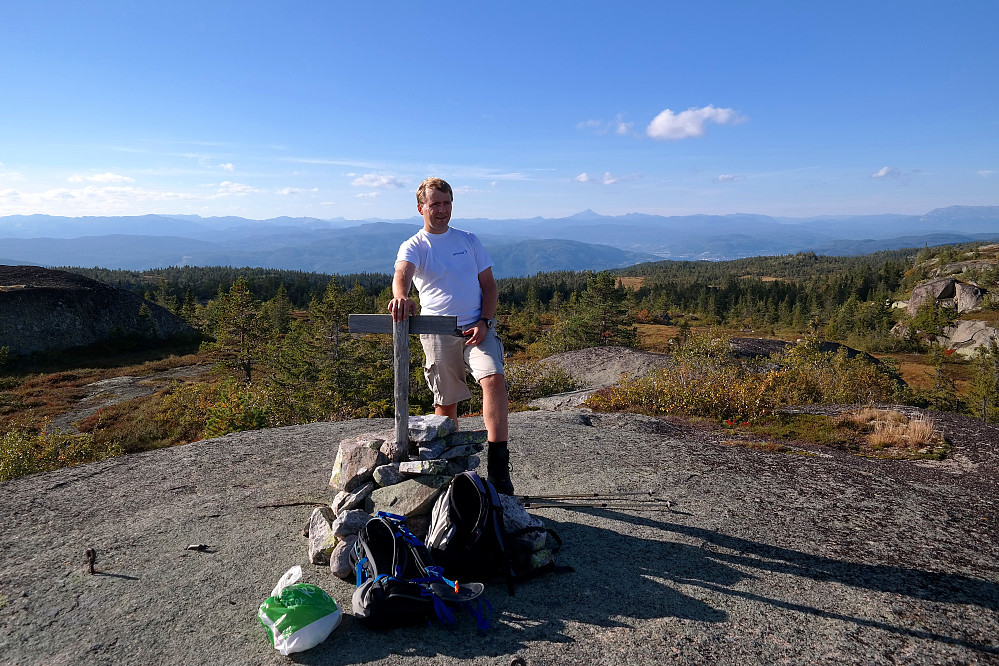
(328, 109)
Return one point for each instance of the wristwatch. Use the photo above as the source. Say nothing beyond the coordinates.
(489, 322)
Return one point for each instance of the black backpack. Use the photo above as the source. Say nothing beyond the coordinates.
(399, 584)
(468, 539)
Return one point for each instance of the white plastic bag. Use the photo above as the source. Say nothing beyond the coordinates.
(298, 616)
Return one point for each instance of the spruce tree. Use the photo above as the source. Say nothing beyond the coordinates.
(240, 334)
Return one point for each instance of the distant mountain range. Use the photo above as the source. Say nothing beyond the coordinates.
(584, 241)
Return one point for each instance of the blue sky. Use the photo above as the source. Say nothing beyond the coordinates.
(326, 109)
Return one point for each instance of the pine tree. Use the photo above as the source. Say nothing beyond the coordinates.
(189, 309)
(240, 334)
(145, 325)
(984, 395)
(279, 311)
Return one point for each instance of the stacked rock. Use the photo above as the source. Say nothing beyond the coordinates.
(374, 473)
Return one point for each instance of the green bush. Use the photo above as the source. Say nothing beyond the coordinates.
(196, 411)
(705, 380)
(528, 380)
(26, 450)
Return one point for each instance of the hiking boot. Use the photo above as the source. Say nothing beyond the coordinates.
(498, 467)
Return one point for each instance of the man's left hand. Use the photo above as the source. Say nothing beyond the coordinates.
(477, 333)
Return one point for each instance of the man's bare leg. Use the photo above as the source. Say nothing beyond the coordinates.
(447, 410)
(495, 407)
(495, 413)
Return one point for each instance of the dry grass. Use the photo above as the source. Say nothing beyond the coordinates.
(632, 283)
(765, 446)
(891, 434)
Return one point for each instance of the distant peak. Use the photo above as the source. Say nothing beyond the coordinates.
(587, 214)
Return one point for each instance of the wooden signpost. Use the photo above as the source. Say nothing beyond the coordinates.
(401, 330)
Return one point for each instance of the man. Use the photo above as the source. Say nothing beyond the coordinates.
(454, 276)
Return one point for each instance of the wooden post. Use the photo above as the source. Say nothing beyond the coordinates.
(400, 354)
(401, 330)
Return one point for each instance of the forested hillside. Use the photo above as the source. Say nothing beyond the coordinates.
(276, 351)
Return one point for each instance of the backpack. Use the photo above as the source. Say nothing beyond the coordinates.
(399, 584)
(469, 540)
(531, 547)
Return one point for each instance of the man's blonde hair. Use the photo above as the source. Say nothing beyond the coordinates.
(432, 184)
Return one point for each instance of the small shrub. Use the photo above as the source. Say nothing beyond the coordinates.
(705, 380)
(26, 450)
(196, 411)
(530, 380)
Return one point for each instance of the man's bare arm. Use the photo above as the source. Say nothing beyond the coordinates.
(490, 300)
(401, 306)
(490, 293)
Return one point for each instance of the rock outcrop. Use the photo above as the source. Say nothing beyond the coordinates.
(966, 336)
(947, 292)
(43, 309)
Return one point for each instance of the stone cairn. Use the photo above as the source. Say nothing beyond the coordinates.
(373, 473)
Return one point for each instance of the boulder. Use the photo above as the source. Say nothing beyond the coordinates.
(387, 475)
(356, 460)
(464, 437)
(968, 297)
(410, 498)
(462, 451)
(322, 541)
(432, 449)
(393, 450)
(516, 517)
(432, 467)
(430, 427)
(340, 565)
(345, 501)
(349, 522)
(458, 465)
(966, 336)
(943, 288)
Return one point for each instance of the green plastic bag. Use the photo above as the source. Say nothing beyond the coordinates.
(298, 616)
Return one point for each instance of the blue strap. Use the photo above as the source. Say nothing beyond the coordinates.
(444, 613)
(359, 571)
(482, 616)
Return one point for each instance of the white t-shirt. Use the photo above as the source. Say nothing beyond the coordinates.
(447, 272)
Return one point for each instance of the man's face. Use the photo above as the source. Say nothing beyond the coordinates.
(436, 211)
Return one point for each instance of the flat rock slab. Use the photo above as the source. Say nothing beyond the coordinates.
(822, 558)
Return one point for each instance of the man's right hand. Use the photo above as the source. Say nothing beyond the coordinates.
(401, 308)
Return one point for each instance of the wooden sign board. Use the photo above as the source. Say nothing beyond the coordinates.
(401, 330)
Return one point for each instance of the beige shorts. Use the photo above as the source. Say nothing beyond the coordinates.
(449, 359)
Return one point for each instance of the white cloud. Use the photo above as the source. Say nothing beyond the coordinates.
(887, 172)
(378, 180)
(607, 178)
(669, 126)
(285, 191)
(228, 189)
(987, 173)
(89, 200)
(101, 178)
(367, 195)
(600, 127)
(729, 178)
(228, 166)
